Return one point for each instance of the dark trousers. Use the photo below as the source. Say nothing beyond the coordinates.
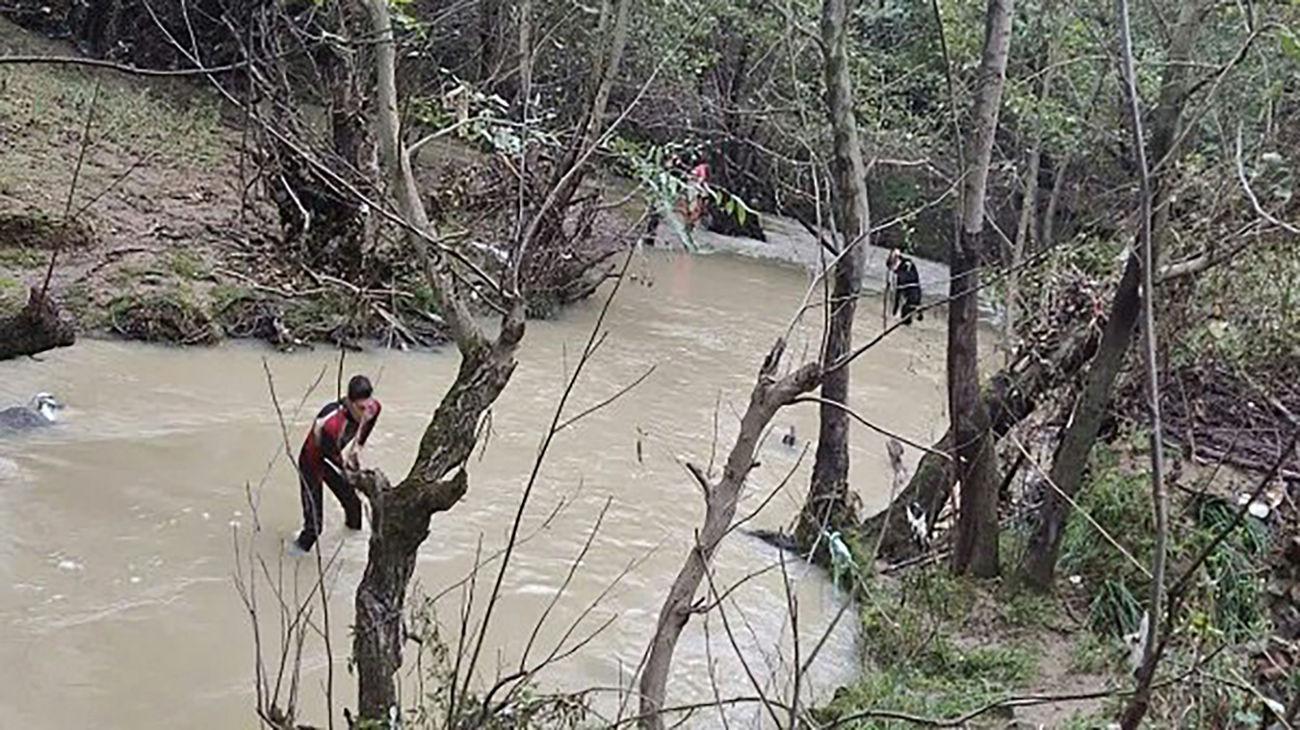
(907, 299)
(312, 470)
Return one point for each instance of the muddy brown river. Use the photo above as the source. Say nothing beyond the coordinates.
(117, 535)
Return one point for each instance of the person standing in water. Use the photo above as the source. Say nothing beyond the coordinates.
(697, 182)
(333, 444)
(907, 286)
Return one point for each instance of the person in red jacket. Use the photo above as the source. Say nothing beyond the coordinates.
(697, 182)
(333, 444)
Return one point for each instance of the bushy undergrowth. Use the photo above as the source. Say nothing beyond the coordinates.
(929, 650)
(438, 678)
(1225, 599)
(1221, 615)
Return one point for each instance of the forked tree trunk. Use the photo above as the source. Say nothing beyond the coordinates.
(343, 73)
(1024, 231)
(400, 518)
(1071, 460)
(605, 66)
(829, 505)
(721, 498)
(976, 549)
(400, 515)
(489, 28)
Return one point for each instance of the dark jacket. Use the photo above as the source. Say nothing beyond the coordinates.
(907, 290)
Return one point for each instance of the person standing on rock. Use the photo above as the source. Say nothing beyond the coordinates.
(333, 444)
(907, 286)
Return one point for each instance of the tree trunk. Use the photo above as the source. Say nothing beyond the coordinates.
(721, 498)
(35, 329)
(329, 230)
(1039, 569)
(400, 515)
(829, 505)
(1061, 174)
(976, 549)
(349, 130)
(400, 518)
(605, 64)
(1024, 229)
(1027, 226)
(1011, 395)
(568, 173)
(1071, 457)
(1159, 497)
(489, 25)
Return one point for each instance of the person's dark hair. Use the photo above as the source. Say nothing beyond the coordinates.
(359, 388)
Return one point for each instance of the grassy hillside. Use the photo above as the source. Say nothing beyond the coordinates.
(155, 209)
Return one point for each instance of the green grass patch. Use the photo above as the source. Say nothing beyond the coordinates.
(170, 315)
(13, 296)
(1093, 654)
(1027, 610)
(187, 264)
(319, 313)
(223, 295)
(78, 302)
(916, 667)
(23, 258)
(940, 681)
(132, 115)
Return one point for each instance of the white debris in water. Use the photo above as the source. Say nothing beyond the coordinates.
(238, 513)
(70, 565)
(9, 469)
(234, 524)
(135, 579)
(1076, 580)
(186, 510)
(206, 516)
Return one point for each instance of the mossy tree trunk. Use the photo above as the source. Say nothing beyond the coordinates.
(830, 503)
(400, 514)
(976, 549)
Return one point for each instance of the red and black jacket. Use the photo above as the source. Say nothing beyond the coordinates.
(334, 428)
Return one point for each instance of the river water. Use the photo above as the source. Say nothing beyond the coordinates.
(117, 537)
